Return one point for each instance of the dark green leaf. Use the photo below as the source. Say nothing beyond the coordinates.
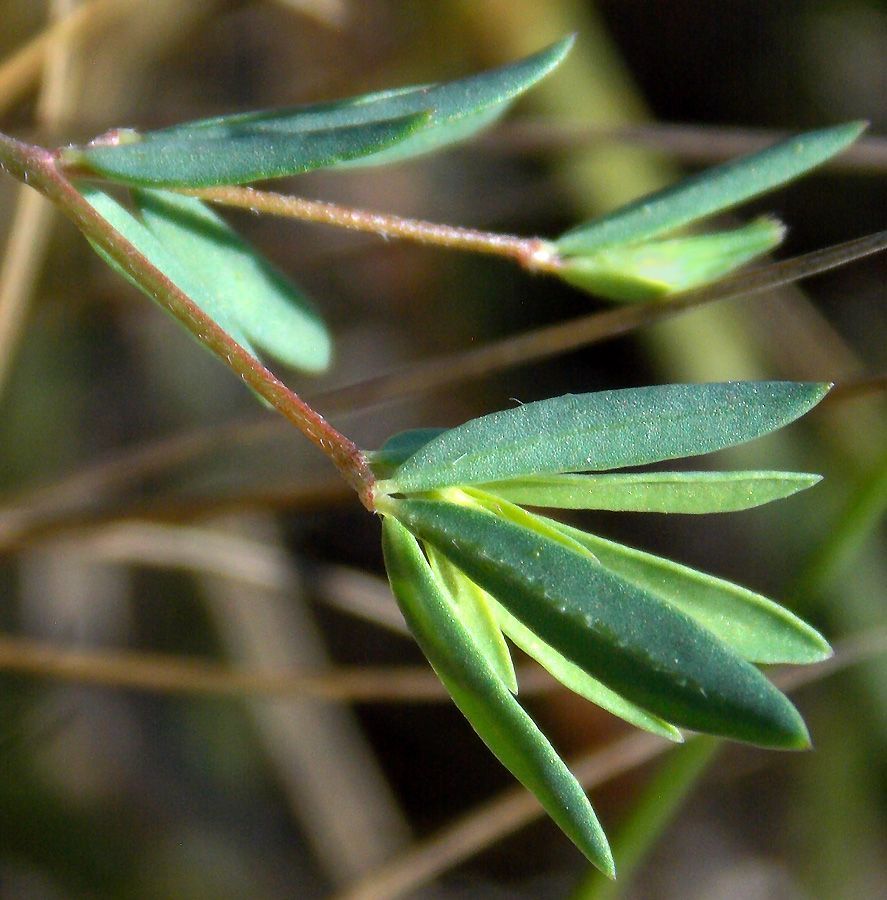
(267, 307)
(654, 269)
(373, 129)
(244, 154)
(659, 492)
(482, 697)
(652, 654)
(578, 681)
(709, 192)
(398, 448)
(605, 430)
(758, 629)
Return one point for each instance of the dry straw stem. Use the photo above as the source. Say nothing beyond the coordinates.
(33, 216)
(19, 72)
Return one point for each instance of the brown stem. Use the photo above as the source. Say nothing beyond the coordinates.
(532, 253)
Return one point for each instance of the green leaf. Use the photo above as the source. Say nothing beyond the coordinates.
(270, 309)
(243, 154)
(398, 448)
(605, 430)
(472, 606)
(578, 681)
(376, 128)
(758, 629)
(654, 269)
(644, 649)
(484, 699)
(714, 190)
(243, 294)
(165, 259)
(658, 492)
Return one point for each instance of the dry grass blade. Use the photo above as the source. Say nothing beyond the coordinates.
(21, 71)
(33, 216)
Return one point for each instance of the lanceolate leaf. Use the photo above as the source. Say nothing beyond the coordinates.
(376, 128)
(604, 430)
(269, 308)
(578, 681)
(483, 698)
(709, 192)
(166, 260)
(653, 269)
(658, 492)
(644, 649)
(758, 629)
(221, 274)
(243, 154)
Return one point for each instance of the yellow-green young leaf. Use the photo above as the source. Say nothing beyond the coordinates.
(654, 269)
(472, 605)
(658, 492)
(633, 642)
(709, 192)
(605, 430)
(578, 681)
(275, 315)
(482, 697)
(372, 129)
(758, 629)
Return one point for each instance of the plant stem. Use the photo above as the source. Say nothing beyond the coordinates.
(532, 253)
(38, 168)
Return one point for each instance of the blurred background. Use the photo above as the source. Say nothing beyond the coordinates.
(204, 687)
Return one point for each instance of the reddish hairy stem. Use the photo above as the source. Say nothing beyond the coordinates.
(532, 253)
(39, 169)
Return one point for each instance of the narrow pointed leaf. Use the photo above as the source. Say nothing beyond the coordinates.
(711, 191)
(605, 430)
(218, 307)
(758, 629)
(578, 681)
(484, 700)
(658, 492)
(644, 649)
(267, 307)
(654, 269)
(243, 154)
(373, 129)
(472, 606)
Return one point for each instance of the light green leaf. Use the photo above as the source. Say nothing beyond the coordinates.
(372, 129)
(644, 649)
(578, 681)
(605, 430)
(654, 269)
(219, 308)
(657, 492)
(758, 629)
(709, 192)
(482, 697)
(472, 605)
(270, 309)
(220, 273)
